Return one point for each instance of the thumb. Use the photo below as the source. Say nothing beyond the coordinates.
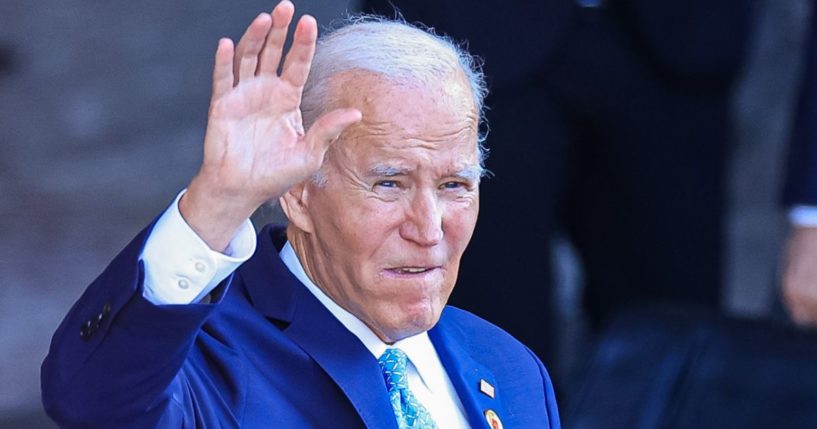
(330, 125)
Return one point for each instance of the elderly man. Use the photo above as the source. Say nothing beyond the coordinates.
(339, 320)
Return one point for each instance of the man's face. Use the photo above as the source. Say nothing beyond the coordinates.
(399, 203)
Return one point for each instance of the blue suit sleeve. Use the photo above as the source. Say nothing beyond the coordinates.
(801, 181)
(115, 359)
(550, 395)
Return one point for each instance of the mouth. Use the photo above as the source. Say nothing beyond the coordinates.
(410, 271)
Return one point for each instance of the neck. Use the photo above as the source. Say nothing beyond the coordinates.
(303, 246)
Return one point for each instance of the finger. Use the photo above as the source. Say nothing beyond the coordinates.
(223, 68)
(270, 56)
(299, 58)
(246, 54)
(329, 127)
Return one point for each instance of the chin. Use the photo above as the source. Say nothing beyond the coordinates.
(416, 322)
(405, 332)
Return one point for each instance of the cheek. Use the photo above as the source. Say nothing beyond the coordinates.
(367, 233)
(374, 216)
(354, 223)
(459, 225)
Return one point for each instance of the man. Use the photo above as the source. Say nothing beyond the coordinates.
(339, 321)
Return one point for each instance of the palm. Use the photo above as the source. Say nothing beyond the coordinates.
(255, 143)
(255, 147)
(253, 101)
(257, 129)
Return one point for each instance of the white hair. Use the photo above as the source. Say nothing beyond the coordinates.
(394, 49)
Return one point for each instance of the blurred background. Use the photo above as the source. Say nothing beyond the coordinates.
(102, 112)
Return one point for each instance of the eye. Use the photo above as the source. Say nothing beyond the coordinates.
(387, 184)
(454, 185)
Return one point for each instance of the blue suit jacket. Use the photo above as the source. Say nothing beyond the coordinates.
(265, 352)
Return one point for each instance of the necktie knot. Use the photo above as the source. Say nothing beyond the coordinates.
(408, 411)
(393, 364)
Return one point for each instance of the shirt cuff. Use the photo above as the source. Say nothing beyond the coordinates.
(180, 268)
(805, 216)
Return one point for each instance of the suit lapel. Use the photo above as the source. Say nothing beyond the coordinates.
(275, 292)
(344, 358)
(466, 374)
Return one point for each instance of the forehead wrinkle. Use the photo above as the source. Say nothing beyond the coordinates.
(391, 135)
(370, 127)
(400, 157)
(339, 161)
(466, 132)
(405, 140)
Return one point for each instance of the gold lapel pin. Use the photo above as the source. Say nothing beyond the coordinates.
(493, 419)
(486, 388)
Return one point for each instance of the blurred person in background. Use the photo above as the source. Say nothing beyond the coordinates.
(799, 265)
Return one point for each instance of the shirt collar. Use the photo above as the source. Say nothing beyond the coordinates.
(418, 348)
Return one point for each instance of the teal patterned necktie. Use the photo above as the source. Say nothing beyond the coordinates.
(410, 413)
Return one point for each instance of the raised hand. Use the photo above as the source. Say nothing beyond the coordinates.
(255, 147)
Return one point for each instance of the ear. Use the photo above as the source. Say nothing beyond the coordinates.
(296, 208)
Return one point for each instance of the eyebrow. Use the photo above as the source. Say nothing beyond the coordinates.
(472, 172)
(388, 171)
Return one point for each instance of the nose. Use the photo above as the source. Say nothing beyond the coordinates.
(424, 220)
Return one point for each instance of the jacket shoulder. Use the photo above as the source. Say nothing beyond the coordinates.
(475, 330)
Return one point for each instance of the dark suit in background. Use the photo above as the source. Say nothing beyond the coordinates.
(801, 183)
(611, 123)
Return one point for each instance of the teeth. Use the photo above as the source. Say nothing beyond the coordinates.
(412, 270)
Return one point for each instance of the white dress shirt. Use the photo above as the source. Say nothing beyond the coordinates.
(181, 269)
(179, 266)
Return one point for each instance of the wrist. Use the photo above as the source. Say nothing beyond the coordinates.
(215, 216)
